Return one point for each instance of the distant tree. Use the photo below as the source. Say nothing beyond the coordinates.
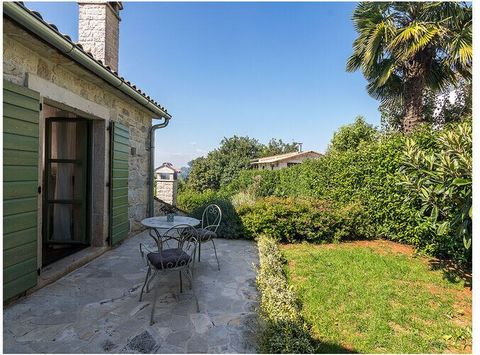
(407, 48)
(349, 137)
(182, 177)
(203, 174)
(184, 171)
(277, 146)
(235, 154)
(223, 164)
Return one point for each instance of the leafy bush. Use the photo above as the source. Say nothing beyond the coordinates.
(284, 330)
(442, 183)
(301, 219)
(258, 183)
(366, 175)
(194, 203)
(243, 198)
(352, 136)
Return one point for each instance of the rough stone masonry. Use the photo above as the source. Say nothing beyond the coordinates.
(98, 30)
(24, 55)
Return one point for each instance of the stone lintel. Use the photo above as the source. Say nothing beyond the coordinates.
(60, 96)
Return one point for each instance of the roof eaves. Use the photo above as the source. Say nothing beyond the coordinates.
(10, 9)
(280, 157)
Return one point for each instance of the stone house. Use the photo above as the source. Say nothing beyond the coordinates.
(77, 145)
(280, 161)
(166, 183)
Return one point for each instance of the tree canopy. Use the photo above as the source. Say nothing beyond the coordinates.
(234, 154)
(350, 137)
(406, 48)
(277, 146)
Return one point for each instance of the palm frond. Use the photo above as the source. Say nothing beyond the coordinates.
(425, 37)
(381, 73)
(374, 45)
(354, 62)
(410, 33)
(392, 89)
(460, 47)
(440, 76)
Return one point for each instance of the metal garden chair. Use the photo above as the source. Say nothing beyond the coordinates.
(211, 218)
(176, 253)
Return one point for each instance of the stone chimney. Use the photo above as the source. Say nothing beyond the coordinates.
(98, 30)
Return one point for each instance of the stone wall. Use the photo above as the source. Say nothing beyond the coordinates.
(166, 190)
(24, 53)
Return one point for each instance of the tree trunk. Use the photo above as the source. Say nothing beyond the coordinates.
(413, 104)
(416, 71)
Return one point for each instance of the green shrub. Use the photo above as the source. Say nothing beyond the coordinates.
(368, 177)
(258, 183)
(284, 329)
(301, 219)
(441, 181)
(352, 136)
(243, 198)
(194, 203)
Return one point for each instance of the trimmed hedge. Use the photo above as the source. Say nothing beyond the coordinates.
(194, 204)
(369, 177)
(356, 193)
(302, 219)
(284, 329)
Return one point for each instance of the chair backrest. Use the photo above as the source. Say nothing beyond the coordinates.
(211, 218)
(181, 236)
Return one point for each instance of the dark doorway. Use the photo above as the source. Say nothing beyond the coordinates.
(66, 182)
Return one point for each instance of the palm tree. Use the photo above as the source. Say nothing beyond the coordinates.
(404, 48)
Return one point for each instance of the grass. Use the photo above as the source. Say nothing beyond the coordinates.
(377, 297)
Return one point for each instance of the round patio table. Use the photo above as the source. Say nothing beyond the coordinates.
(160, 223)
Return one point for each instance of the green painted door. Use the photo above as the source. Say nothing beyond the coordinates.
(120, 148)
(20, 188)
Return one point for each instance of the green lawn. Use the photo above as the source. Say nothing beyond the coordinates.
(376, 297)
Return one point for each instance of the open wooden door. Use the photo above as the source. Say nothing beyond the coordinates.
(21, 110)
(120, 149)
(65, 195)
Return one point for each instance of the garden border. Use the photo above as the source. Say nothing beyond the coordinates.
(284, 329)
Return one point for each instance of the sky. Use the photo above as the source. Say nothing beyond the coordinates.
(263, 70)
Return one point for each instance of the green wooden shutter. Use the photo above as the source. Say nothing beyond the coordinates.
(20, 188)
(120, 148)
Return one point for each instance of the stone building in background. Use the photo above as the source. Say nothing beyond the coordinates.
(166, 180)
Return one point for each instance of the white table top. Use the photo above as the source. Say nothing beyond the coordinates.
(160, 222)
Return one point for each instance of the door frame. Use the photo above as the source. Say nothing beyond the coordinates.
(86, 174)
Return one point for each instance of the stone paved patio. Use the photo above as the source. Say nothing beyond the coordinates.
(95, 309)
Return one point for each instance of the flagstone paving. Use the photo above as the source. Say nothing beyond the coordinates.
(95, 309)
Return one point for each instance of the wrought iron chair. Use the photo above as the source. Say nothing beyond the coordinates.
(211, 218)
(179, 257)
